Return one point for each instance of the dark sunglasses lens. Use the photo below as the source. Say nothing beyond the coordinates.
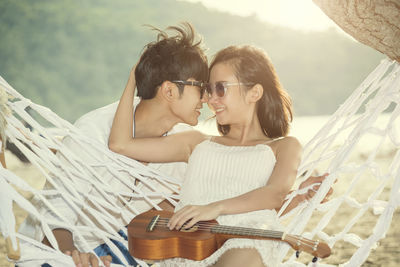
(219, 89)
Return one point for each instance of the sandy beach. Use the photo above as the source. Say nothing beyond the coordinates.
(387, 254)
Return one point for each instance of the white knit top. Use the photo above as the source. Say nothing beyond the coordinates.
(217, 172)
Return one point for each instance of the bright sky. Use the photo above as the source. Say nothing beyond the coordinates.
(298, 14)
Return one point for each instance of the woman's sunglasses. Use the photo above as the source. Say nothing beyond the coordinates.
(220, 88)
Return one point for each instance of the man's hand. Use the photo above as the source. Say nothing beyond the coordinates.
(87, 259)
(312, 191)
(66, 245)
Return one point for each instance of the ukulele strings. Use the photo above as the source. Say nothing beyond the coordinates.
(298, 240)
(236, 229)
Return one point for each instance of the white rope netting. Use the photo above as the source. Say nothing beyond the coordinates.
(102, 212)
(371, 113)
(366, 122)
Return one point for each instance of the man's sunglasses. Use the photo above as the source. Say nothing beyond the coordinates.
(220, 88)
(201, 85)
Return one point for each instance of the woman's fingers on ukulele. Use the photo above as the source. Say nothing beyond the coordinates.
(192, 222)
(178, 219)
(200, 213)
(186, 216)
(172, 221)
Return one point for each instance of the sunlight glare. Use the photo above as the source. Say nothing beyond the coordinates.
(297, 14)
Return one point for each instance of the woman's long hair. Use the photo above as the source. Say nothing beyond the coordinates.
(252, 65)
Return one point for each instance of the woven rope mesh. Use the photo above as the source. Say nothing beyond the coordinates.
(365, 188)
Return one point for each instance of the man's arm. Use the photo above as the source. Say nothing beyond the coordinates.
(66, 245)
(64, 240)
(310, 193)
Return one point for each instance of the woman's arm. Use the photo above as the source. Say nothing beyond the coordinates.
(176, 147)
(121, 129)
(271, 196)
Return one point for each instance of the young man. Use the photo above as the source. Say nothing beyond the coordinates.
(178, 60)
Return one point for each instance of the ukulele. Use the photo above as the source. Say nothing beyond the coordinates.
(149, 238)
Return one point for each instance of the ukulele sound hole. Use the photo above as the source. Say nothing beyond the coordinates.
(194, 228)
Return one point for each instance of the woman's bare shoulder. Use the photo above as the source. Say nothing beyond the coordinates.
(290, 143)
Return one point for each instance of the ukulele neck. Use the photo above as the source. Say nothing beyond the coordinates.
(243, 231)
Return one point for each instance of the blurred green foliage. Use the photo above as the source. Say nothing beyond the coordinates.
(74, 56)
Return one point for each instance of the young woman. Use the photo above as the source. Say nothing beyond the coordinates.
(238, 178)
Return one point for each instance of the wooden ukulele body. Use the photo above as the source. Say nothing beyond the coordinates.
(162, 243)
(149, 238)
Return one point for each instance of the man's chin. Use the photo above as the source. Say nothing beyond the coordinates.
(193, 122)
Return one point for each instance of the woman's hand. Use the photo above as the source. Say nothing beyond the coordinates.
(87, 259)
(131, 84)
(194, 213)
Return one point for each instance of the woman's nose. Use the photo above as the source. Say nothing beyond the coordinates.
(212, 98)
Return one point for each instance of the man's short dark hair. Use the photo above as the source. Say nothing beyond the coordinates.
(176, 57)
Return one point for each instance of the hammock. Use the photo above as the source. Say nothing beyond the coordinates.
(331, 150)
